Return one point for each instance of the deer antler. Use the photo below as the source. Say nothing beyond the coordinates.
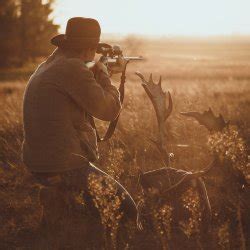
(208, 119)
(158, 99)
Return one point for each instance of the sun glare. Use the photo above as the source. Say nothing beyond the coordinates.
(161, 17)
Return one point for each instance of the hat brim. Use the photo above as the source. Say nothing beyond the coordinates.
(62, 41)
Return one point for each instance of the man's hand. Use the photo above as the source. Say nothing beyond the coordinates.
(119, 66)
(114, 68)
(99, 68)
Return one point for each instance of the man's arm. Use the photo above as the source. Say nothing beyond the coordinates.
(100, 99)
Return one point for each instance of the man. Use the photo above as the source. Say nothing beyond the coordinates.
(60, 100)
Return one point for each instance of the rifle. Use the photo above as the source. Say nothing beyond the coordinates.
(110, 55)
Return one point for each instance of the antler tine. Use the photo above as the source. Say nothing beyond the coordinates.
(158, 98)
(208, 119)
(159, 83)
(151, 78)
(141, 76)
(198, 115)
(170, 105)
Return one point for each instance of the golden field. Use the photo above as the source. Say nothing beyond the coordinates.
(199, 73)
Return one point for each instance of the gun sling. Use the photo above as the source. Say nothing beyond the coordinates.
(112, 125)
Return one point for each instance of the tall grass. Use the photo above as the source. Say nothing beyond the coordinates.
(198, 74)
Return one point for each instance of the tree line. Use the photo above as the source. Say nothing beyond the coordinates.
(26, 27)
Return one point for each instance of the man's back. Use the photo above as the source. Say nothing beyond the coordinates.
(57, 102)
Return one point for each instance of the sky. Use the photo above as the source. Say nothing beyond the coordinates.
(160, 17)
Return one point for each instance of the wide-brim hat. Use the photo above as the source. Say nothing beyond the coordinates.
(80, 33)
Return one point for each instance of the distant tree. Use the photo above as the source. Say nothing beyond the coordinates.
(9, 42)
(36, 27)
(26, 27)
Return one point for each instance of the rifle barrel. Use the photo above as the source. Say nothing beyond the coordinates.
(135, 58)
(129, 58)
(113, 60)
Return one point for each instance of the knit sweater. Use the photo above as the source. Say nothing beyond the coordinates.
(59, 99)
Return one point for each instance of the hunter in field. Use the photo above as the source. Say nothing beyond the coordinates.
(61, 99)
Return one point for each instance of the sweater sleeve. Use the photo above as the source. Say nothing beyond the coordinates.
(100, 99)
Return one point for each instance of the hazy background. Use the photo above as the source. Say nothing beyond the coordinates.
(161, 17)
(198, 72)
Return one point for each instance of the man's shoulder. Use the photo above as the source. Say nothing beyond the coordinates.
(62, 71)
(72, 68)
(65, 68)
